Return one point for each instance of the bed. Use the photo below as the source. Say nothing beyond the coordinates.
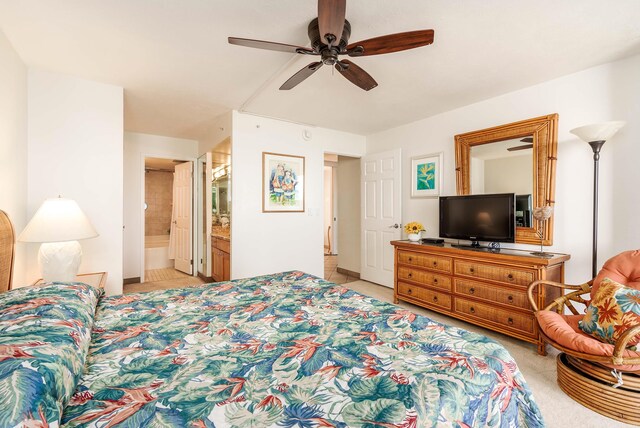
(286, 350)
(283, 350)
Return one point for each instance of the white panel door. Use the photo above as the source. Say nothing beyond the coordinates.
(381, 210)
(182, 203)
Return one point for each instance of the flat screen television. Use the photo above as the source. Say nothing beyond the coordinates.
(478, 217)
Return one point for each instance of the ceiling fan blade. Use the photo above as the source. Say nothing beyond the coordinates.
(391, 43)
(527, 140)
(300, 76)
(331, 15)
(523, 147)
(272, 46)
(356, 75)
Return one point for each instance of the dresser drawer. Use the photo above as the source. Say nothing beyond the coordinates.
(425, 277)
(512, 320)
(425, 295)
(508, 275)
(492, 293)
(442, 264)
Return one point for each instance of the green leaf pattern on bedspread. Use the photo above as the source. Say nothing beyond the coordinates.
(44, 338)
(289, 350)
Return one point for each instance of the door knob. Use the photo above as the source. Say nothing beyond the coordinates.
(395, 226)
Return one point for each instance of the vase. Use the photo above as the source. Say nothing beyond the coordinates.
(414, 237)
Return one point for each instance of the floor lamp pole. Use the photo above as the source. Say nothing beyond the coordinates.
(595, 145)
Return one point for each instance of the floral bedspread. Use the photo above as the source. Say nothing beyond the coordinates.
(44, 337)
(289, 350)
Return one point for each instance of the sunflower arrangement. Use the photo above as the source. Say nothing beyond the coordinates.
(413, 227)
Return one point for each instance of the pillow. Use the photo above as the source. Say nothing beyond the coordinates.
(613, 309)
(44, 339)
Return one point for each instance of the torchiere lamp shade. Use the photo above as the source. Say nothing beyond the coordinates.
(598, 131)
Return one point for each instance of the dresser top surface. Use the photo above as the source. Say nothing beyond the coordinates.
(483, 252)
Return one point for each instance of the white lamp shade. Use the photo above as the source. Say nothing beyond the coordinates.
(58, 220)
(598, 131)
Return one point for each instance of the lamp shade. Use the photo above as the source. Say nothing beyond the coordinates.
(58, 220)
(598, 131)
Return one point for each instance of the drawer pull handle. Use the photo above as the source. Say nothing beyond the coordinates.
(435, 280)
(510, 276)
(510, 321)
(435, 263)
(435, 299)
(410, 275)
(510, 298)
(471, 270)
(472, 310)
(409, 291)
(472, 290)
(410, 259)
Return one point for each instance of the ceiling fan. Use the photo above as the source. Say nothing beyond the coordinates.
(524, 146)
(329, 34)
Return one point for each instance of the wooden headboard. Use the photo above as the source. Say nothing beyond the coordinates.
(7, 241)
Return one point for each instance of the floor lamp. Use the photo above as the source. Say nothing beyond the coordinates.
(596, 135)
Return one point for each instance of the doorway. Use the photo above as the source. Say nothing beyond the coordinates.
(167, 220)
(341, 230)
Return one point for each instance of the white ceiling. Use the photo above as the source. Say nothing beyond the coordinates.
(178, 71)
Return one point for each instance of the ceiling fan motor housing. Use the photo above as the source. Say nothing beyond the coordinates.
(316, 41)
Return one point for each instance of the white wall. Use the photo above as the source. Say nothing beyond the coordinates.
(136, 148)
(13, 148)
(75, 139)
(218, 130)
(348, 196)
(272, 242)
(607, 92)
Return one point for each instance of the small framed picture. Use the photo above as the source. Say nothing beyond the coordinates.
(282, 183)
(426, 175)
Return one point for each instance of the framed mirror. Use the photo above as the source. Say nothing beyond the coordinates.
(518, 158)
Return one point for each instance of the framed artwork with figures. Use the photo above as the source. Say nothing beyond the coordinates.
(282, 183)
(426, 175)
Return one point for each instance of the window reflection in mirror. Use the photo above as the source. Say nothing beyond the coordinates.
(505, 167)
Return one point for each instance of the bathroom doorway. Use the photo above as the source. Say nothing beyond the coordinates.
(168, 220)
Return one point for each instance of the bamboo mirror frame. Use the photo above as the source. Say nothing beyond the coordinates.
(544, 131)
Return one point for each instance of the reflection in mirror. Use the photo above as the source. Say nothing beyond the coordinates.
(505, 167)
(220, 195)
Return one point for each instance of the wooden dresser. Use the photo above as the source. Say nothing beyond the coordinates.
(486, 288)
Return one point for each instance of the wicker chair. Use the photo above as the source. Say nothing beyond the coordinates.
(600, 376)
(7, 241)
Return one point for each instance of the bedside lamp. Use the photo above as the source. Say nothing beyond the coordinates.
(58, 224)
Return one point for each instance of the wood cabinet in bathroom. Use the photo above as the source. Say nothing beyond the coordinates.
(220, 253)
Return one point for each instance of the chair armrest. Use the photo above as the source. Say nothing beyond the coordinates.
(622, 342)
(579, 289)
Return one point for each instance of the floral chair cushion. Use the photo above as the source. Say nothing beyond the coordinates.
(45, 333)
(614, 308)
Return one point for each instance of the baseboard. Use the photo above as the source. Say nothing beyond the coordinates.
(205, 278)
(351, 273)
(135, 280)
